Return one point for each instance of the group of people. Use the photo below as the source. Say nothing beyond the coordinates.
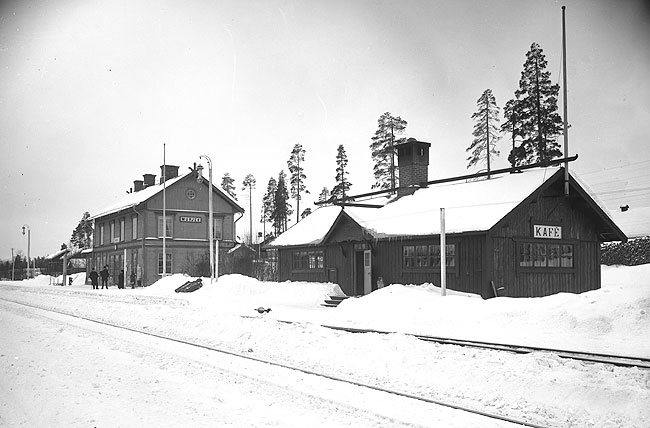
(104, 275)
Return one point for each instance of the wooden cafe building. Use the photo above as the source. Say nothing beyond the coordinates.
(514, 234)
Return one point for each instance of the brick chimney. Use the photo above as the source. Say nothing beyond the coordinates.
(413, 163)
(138, 185)
(149, 180)
(168, 171)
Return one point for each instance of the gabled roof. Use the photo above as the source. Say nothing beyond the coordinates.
(135, 198)
(470, 206)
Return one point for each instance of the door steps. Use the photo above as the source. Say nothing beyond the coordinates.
(334, 301)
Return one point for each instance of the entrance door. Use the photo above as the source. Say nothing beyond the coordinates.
(367, 272)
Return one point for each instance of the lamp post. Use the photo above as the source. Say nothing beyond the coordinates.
(211, 226)
(29, 243)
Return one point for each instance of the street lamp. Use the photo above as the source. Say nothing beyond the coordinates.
(29, 241)
(210, 228)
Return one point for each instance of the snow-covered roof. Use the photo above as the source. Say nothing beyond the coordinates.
(135, 198)
(72, 252)
(470, 206)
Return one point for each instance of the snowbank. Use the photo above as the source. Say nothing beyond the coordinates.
(614, 319)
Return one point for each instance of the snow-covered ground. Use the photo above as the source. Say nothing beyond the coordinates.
(537, 387)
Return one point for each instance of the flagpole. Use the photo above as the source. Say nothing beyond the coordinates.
(566, 126)
(164, 254)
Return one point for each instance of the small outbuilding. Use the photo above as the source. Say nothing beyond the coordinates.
(514, 234)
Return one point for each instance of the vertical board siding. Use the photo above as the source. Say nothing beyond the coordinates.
(578, 228)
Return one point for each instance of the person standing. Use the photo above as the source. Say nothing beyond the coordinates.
(94, 279)
(120, 279)
(104, 274)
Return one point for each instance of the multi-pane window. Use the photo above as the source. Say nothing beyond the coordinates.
(112, 233)
(168, 226)
(134, 227)
(217, 230)
(122, 230)
(428, 256)
(542, 255)
(168, 264)
(101, 234)
(308, 260)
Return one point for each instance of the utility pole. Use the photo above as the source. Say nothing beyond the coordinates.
(392, 158)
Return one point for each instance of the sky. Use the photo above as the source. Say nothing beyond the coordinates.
(539, 387)
(91, 92)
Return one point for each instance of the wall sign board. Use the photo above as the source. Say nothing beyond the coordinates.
(547, 232)
(188, 219)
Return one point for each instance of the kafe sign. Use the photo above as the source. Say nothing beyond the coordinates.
(547, 232)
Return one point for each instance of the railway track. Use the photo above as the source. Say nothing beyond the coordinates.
(487, 415)
(617, 360)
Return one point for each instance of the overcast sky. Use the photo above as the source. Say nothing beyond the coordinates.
(90, 91)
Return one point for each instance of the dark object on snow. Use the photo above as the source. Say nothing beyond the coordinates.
(261, 310)
(190, 286)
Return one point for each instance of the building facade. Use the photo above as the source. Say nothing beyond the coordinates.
(130, 232)
(514, 235)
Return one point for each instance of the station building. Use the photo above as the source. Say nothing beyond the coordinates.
(131, 229)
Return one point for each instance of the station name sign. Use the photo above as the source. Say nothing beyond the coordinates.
(188, 219)
(547, 232)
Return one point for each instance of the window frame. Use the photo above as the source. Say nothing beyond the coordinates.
(423, 256)
(307, 260)
(170, 257)
(122, 229)
(541, 253)
(134, 227)
(170, 220)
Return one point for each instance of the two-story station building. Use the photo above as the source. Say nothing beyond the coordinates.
(132, 228)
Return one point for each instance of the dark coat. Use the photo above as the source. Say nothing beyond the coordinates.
(104, 273)
(94, 277)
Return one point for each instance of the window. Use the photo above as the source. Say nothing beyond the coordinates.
(101, 234)
(168, 227)
(541, 255)
(427, 256)
(134, 227)
(308, 260)
(168, 265)
(122, 227)
(112, 233)
(217, 229)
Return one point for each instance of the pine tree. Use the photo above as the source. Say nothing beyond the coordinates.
(82, 234)
(324, 195)
(297, 175)
(227, 184)
(249, 181)
(268, 202)
(383, 150)
(486, 135)
(536, 112)
(282, 209)
(512, 112)
(342, 184)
